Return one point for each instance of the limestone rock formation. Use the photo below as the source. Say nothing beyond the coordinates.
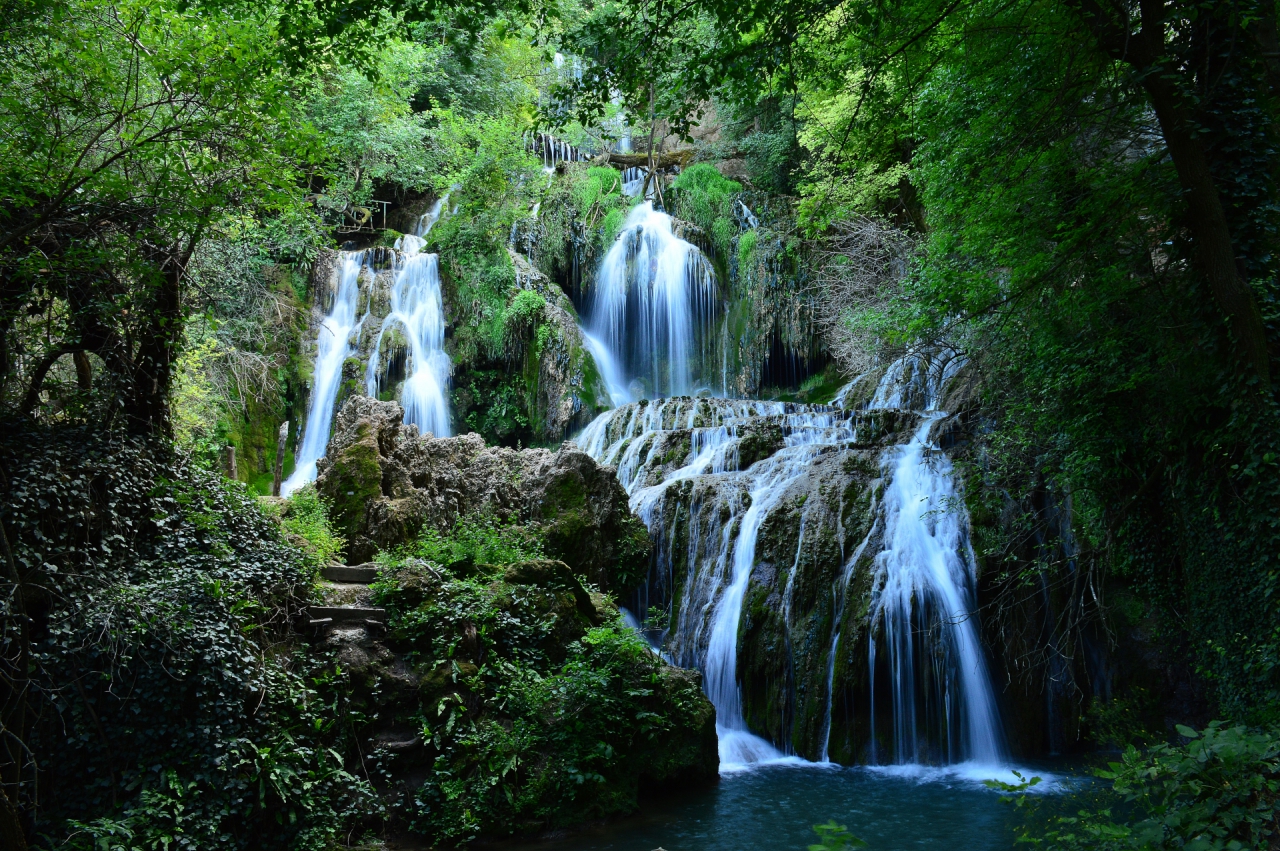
(566, 389)
(386, 483)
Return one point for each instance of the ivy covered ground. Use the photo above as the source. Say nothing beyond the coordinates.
(164, 694)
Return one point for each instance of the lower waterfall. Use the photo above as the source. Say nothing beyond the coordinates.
(924, 608)
(707, 475)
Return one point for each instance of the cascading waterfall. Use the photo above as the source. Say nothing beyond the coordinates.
(555, 151)
(333, 347)
(928, 648)
(722, 552)
(417, 310)
(924, 647)
(654, 293)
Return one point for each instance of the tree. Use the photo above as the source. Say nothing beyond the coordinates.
(128, 128)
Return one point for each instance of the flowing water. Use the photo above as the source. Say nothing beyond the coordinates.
(417, 313)
(773, 808)
(333, 347)
(924, 608)
(416, 317)
(653, 296)
(646, 328)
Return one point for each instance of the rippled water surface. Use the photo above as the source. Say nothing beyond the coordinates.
(776, 806)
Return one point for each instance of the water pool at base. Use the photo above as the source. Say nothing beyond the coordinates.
(775, 807)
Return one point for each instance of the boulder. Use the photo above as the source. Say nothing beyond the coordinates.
(386, 482)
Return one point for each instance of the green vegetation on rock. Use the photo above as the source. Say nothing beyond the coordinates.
(705, 197)
(535, 706)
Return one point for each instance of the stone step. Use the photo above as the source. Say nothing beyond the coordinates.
(345, 614)
(362, 574)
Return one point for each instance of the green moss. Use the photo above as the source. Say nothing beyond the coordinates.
(760, 440)
(705, 197)
(354, 481)
(611, 226)
(746, 246)
(535, 715)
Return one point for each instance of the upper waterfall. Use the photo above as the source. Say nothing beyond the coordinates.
(411, 333)
(417, 311)
(333, 347)
(653, 297)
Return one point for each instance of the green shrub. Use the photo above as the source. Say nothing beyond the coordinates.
(534, 717)
(599, 188)
(162, 698)
(705, 197)
(478, 538)
(306, 523)
(1218, 792)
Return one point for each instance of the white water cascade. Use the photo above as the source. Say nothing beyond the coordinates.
(722, 539)
(930, 671)
(334, 345)
(923, 606)
(653, 294)
(417, 312)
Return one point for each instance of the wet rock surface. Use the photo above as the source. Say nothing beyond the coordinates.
(694, 470)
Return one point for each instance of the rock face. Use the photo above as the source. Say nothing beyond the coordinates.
(561, 376)
(386, 483)
(798, 488)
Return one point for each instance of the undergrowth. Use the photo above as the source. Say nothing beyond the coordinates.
(1219, 790)
(155, 698)
(537, 707)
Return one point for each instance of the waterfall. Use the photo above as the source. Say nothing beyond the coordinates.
(654, 294)
(614, 380)
(925, 655)
(722, 539)
(333, 347)
(554, 151)
(417, 310)
(941, 694)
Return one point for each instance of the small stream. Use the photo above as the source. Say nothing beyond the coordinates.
(775, 807)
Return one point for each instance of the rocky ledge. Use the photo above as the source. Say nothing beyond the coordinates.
(386, 483)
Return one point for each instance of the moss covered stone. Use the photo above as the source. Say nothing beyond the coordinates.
(353, 480)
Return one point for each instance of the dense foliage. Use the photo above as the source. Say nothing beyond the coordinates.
(1080, 198)
(537, 706)
(1218, 790)
(153, 695)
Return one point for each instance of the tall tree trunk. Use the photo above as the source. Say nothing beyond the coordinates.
(1163, 80)
(11, 836)
(146, 406)
(1215, 251)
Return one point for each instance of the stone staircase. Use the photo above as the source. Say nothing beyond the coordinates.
(346, 588)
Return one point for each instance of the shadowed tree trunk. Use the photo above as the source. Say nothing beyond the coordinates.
(1163, 80)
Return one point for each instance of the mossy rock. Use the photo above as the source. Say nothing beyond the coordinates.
(552, 575)
(353, 481)
(761, 439)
